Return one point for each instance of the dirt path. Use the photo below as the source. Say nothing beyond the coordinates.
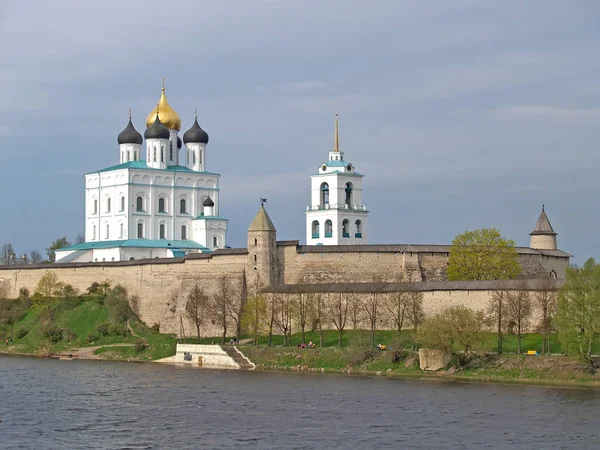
(88, 352)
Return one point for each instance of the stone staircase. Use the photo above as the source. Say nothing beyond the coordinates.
(238, 357)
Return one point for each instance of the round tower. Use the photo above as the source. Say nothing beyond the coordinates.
(543, 236)
(157, 142)
(262, 249)
(130, 143)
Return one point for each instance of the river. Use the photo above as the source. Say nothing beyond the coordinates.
(51, 404)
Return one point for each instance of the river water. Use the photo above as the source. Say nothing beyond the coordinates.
(114, 405)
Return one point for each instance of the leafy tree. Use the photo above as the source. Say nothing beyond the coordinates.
(58, 243)
(254, 316)
(482, 255)
(578, 316)
(197, 306)
(456, 329)
(518, 311)
(48, 287)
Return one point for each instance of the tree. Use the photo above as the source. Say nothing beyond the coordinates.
(578, 316)
(518, 311)
(303, 307)
(58, 243)
(396, 305)
(356, 310)
(47, 290)
(456, 329)
(317, 314)
(283, 316)
(482, 255)
(235, 308)
(80, 238)
(272, 312)
(415, 313)
(196, 307)
(220, 304)
(371, 307)
(547, 304)
(7, 255)
(35, 257)
(496, 309)
(254, 316)
(336, 310)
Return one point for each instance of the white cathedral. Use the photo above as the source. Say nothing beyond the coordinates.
(162, 207)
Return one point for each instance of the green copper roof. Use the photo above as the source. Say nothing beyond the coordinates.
(138, 243)
(141, 164)
(262, 221)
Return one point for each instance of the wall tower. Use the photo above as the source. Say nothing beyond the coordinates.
(262, 249)
(543, 236)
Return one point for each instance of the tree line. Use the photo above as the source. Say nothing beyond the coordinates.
(10, 257)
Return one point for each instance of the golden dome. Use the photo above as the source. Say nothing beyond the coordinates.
(167, 115)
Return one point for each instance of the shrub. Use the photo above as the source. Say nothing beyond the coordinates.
(91, 338)
(69, 335)
(103, 328)
(118, 305)
(22, 333)
(117, 329)
(23, 293)
(140, 345)
(53, 333)
(155, 328)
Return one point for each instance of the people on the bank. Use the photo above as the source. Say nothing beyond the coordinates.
(311, 345)
(380, 346)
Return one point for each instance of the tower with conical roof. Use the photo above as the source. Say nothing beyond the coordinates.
(262, 248)
(336, 215)
(543, 236)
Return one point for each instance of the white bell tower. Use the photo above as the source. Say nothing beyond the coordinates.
(336, 215)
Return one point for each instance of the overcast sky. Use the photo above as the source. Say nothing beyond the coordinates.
(461, 114)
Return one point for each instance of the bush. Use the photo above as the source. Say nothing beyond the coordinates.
(117, 329)
(155, 328)
(53, 333)
(118, 305)
(22, 333)
(91, 338)
(103, 328)
(23, 293)
(140, 345)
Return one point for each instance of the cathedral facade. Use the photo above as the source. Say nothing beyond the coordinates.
(163, 206)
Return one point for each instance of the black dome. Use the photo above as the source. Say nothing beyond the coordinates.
(208, 202)
(179, 143)
(157, 130)
(129, 135)
(195, 134)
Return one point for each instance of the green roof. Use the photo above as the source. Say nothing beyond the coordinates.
(210, 218)
(141, 164)
(139, 243)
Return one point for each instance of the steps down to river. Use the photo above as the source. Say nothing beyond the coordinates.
(238, 357)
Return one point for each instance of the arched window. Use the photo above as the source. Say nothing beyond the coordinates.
(315, 229)
(123, 203)
(95, 206)
(94, 233)
(107, 231)
(139, 203)
(324, 194)
(140, 230)
(108, 205)
(183, 232)
(162, 153)
(121, 230)
(346, 228)
(553, 274)
(161, 231)
(154, 159)
(171, 150)
(161, 205)
(358, 232)
(215, 241)
(182, 208)
(194, 158)
(328, 228)
(128, 155)
(187, 156)
(348, 191)
(255, 241)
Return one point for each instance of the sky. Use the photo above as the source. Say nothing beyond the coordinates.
(461, 114)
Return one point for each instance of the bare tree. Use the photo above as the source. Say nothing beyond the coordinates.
(221, 300)
(80, 238)
(416, 315)
(283, 316)
(303, 308)
(271, 313)
(7, 255)
(356, 310)
(518, 310)
(496, 314)
(397, 305)
(197, 306)
(236, 307)
(35, 257)
(371, 306)
(336, 310)
(547, 302)
(317, 313)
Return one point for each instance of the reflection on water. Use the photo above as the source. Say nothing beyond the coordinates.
(96, 404)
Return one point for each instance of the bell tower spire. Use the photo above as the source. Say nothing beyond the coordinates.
(336, 147)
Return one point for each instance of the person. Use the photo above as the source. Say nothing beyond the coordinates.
(311, 345)
(379, 346)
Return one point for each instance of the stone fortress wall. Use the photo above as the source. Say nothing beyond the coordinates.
(161, 284)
